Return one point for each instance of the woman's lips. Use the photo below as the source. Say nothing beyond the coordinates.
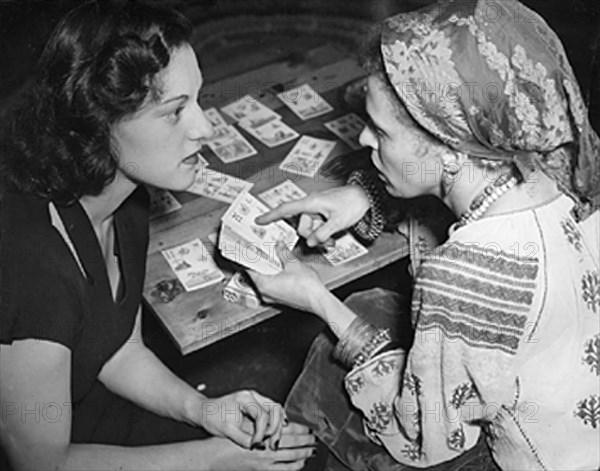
(192, 159)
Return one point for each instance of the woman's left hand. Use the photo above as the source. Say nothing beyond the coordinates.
(245, 417)
(297, 285)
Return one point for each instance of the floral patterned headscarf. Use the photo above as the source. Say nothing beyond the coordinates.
(491, 79)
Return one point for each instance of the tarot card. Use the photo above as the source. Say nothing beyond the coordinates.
(348, 129)
(251, 111)
(307, 155)
(240, 290)
(282, 193)
(231, 146)
(272, 133)
(346, 248)
(162, 202)
(242, 213)
(305, 102)
(238, 225)
(218, 186)
(250, 254)
(193, 265)
(215, 118)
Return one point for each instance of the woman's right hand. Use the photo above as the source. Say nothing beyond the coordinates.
(323, 214)
(227, 455)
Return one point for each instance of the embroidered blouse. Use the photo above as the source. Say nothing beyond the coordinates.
(507, 316)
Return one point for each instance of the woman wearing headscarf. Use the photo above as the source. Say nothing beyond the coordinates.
(473, 102)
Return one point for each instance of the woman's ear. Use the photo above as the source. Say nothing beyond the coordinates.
(452, 163)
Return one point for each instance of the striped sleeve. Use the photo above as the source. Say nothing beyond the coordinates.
(476, 296)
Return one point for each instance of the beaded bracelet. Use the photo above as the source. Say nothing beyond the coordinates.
(360, 342)
(373, 222)
(377, 342)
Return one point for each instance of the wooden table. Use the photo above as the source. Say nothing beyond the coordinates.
(198, 318)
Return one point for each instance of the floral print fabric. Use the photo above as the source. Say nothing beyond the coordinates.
(491, 79)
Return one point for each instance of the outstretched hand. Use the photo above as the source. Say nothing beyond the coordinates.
(297, 285)
(322, 214)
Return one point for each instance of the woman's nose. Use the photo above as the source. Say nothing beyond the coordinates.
(367, 138)
(201, 127)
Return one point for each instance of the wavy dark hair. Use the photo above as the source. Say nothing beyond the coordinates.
(99, 65)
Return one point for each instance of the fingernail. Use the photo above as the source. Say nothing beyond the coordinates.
(277, 445)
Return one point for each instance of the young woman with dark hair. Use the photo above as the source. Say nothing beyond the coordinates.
(115, 105)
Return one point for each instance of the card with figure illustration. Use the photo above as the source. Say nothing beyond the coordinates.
(282, 193)
(251, 111)
(305, 102)
(348, 129)
(307, 155)
(230, 146)
(240, 249)
(346, 248)
(272, 133)
(215, 118)
(193, 265)
(238, 228)
(218, 186)
(162, 202)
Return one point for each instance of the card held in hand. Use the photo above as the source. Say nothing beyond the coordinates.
(193, 265)
(249, 244)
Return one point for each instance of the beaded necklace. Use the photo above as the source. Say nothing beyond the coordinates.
(484, 200)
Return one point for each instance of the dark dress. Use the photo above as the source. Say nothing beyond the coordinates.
(46, 296)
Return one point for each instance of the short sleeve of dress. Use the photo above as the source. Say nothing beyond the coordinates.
(39, 276)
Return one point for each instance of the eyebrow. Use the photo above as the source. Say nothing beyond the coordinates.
(175, 98)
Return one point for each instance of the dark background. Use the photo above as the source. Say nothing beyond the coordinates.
(26, 24)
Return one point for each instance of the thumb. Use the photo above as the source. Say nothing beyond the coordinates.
(322, 235)
(256, 277)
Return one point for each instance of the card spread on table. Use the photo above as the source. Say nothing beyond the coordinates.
(162, 202)
(229, 145)
(348, 129)
(251, 111)
(307, 155)
(271, 133)
(346, 248)
(305, 102)
(282, 193)
(218, 186)
(249, 244)
(193, 265)
(215, 118)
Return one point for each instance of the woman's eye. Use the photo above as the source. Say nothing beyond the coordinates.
(176, 113)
